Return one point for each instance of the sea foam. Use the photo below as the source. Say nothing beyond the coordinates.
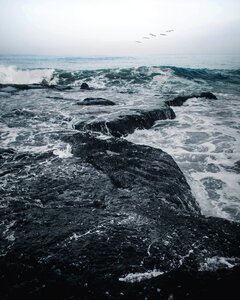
(13, 75)
(138, 277)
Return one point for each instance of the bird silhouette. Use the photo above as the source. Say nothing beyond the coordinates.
(151, 34)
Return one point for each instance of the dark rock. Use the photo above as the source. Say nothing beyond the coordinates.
(179, 100)
(56, 98)
(126, 124)
(45, 82)
(11, 88)
(21, 87)
(76, 229)
(84, 86)
(123, 161)
(96, 101)
(208, 95)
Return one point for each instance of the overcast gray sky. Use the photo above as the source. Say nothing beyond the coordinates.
(111, 27)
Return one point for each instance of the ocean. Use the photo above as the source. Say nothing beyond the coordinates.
(203, 139)
(119, 177)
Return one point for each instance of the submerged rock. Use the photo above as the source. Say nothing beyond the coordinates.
(116, 220)
(123, 125)
(178, 101)
(96, 101)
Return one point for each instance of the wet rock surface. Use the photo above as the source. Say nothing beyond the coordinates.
(179, 100)
(84, 86)
(11, 88)
(122, 125)
(96, 101)
(94, 225)
(108, 219)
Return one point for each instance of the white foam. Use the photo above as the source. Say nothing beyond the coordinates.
(216, 262)
(13, 75)
(64, 151)
(138, 277)
(76, 236)
(204, 140)
(135, 219)
(8, 135)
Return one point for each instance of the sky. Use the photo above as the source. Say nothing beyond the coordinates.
(111, 27)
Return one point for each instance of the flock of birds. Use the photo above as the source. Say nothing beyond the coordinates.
(154, 35)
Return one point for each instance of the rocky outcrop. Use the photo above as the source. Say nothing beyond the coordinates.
(178, 101)
(114, 221)
(207, 95)
(123, 125)
(96, 101)
(84, 86)
(124, 163)
(11, 88)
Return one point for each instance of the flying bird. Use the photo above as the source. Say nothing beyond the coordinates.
(164, 34)
(139, 42)
(152, 34)
(146, 37)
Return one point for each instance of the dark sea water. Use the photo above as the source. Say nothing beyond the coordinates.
(204, 139)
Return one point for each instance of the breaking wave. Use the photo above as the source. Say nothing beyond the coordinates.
(231, 76)
(203, 139)
(13, 75)
(114, 77)
(143, 75)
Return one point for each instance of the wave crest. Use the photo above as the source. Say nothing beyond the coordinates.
(13, 75)
(115, 77)
(230, 76)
